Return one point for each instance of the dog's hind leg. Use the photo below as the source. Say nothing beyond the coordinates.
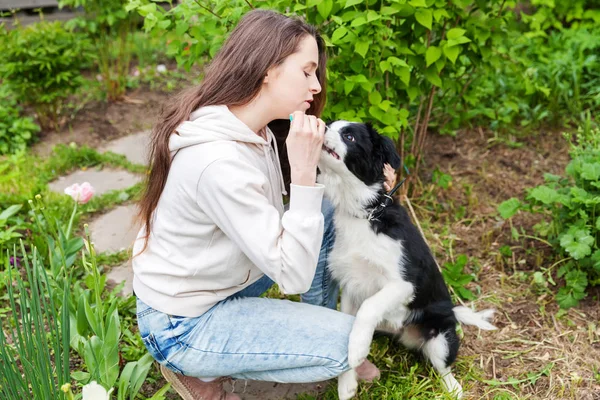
(347, 384)
(437, 350)
(392, 298)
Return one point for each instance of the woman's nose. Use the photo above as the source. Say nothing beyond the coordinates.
(315, 86)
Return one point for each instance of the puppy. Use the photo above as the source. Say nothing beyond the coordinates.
(388, 276)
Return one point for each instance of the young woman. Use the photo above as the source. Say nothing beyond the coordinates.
(216, 234)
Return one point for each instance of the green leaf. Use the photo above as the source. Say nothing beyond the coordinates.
(10, 211)
(372, 16)
(348, 86)
(590, 171)
(455, 33)
(361, 47)
(432, 54)
(397, 62)
(82, 322)
(439, 13)
(385, 66)
(339, 33)
(424, 17)
(139, 374)
(375, 98)
(324, 8)
(404, 74)
(351, 3)
(544, 194)
(596, 260)
(80, 376)
(565, 298)
(577, 280)
(413, 92)
(460, 40)
(432, 76)
(451, 53)
(358, 22)
(509, 208)
(418, 3)
(577, 242)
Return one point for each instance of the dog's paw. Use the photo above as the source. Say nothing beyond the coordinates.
(347, 385)
(452, 386)
(359, 347)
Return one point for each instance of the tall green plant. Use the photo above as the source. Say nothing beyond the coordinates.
(110, 25)
(34, 340)
(391, 60)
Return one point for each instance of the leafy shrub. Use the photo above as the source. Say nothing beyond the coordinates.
(16, 130)
(41, 64)
(549, 78)
(110, 26)
(572, 204)
(389, 61)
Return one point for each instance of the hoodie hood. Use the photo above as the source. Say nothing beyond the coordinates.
(209, 124)
(213, 123)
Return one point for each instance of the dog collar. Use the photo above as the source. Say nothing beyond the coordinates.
(376, 212)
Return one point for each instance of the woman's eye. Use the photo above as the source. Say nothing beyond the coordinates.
(306, 74)
(349, 137)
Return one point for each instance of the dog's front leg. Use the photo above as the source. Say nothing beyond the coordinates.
(347, 304)
(393, 296)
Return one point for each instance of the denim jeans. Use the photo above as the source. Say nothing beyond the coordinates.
(249, 337)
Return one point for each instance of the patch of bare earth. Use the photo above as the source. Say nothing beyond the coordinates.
(548, 357)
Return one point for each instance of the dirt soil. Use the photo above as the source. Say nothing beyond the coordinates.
(530, 338)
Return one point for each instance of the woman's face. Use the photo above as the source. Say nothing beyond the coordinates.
(293, 84)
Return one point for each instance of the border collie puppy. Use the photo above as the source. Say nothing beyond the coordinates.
(388, 276)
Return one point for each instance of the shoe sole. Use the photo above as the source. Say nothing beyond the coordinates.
(176, 383)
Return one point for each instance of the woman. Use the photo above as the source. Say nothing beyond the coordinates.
(215, 232)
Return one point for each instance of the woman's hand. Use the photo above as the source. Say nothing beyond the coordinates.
(304, 144)
(390, 177)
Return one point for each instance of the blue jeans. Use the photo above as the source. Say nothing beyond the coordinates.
(249, 337)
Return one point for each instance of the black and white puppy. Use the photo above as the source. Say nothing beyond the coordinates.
(388, 276)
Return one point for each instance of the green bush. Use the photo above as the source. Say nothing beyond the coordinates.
(110, 27)
(552, 79)
(41, 63)
(390, 61)
(572, 204)
(16, 130)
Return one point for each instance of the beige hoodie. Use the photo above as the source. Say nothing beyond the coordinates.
(220, 222)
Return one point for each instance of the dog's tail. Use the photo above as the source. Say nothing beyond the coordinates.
(480, 319)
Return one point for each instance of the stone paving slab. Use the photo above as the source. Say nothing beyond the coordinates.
(119, 274)
(258, 390)
(135, 147)
(114, 231)
(103, 180)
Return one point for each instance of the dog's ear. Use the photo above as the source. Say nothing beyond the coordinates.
(389, 149)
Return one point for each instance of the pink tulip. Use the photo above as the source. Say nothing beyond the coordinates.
(80, 193)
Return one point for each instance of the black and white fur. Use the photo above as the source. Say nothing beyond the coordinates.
(388, 276)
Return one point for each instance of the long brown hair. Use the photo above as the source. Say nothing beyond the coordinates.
(261, 40)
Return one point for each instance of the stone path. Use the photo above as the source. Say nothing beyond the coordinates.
(114, 231)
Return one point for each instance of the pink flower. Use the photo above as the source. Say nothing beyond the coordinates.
(80, 193)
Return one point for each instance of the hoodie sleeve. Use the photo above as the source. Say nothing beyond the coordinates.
(231, 192)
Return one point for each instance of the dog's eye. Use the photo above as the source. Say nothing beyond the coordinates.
(349, 137)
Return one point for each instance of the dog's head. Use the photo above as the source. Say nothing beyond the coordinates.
(352, 160)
